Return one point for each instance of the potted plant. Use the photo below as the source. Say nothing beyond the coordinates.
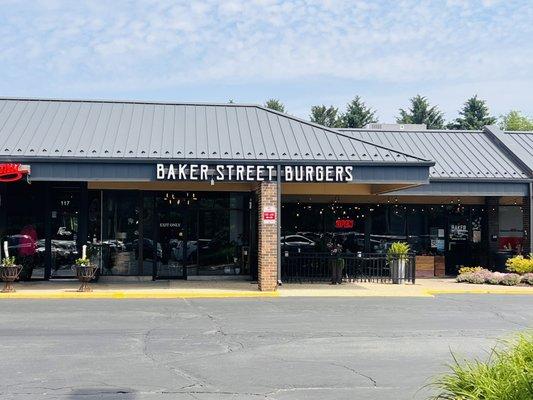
(9, 272)
(85, 271)
(397, 258)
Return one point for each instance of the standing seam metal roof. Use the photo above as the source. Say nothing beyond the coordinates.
(84, 129)
(457, 154)
(520, 143)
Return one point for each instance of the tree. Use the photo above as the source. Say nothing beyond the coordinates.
(473, 116)
(275, 104)
(516, 121)
(327, 116)
(421, 113)
(358, 114)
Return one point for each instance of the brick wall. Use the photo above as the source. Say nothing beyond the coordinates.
(268, 240)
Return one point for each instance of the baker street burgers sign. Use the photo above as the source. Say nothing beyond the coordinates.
(253, 173)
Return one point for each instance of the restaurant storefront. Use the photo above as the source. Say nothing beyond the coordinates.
(181, 191)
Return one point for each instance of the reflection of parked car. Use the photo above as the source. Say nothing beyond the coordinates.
(296, 243)
(21, 244)
(148, 249)
(192, 248)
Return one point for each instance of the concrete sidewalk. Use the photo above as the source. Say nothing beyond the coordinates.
(168, 289)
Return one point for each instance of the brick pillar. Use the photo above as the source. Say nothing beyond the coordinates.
(493, 225)
(526, 212)
(268, 238)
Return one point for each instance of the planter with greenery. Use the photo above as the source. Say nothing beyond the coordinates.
(9, 273)
(85, 271)
(397, 257)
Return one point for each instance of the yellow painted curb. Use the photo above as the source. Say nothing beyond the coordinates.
(135, 295)
(477, 291)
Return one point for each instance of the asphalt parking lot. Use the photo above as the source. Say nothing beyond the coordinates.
(270, 348)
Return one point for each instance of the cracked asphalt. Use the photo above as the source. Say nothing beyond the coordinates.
(263, 348)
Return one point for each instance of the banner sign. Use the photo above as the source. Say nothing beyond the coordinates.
(12, 172)
(253, 173)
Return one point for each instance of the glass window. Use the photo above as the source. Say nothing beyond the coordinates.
(22, 212)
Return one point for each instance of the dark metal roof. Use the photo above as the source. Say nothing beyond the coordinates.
(112, 130)
(457, 154)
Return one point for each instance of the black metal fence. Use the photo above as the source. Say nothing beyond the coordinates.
(360, 267)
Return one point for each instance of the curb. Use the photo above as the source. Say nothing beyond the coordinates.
(135, 295)
(478, 291)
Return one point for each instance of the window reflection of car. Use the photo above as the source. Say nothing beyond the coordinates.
(191, 248)
(115, 245)
(20, 244)
(296, 243)
(315, 237)
(148, 249)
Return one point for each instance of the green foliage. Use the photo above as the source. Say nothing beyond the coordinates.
(275, 104)
(507, 375)
(516, 121)
(421, 112)
(520, 264)
(357, 115)
(326, 116)
(469, 270)
(398, 250)
(8, 261)
(83, 262)
(474, 115)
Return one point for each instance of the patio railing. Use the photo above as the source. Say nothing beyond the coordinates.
(360, 267)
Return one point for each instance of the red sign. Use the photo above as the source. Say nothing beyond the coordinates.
(344, 223)
(12, 172)
(269, 215)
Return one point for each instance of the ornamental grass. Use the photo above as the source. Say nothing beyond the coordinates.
(507, 375)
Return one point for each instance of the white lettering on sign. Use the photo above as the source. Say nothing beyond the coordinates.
(252, 173)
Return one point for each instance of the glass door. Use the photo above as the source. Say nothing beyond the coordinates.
(64, 237)
(172, 247)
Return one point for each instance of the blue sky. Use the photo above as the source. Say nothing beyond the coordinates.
(302, 52)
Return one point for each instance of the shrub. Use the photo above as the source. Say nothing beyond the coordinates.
(469, 270)
(511, 279)
(398, 251)
(527, 278)
(478, 275)
(507, 375)
(520, 264)
(495, 278)
(463, 277)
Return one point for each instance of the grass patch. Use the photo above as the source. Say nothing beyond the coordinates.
(507, 375)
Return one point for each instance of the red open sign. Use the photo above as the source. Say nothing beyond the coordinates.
(344, 223)
(12, 172)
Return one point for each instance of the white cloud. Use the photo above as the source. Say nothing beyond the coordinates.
(134, 46)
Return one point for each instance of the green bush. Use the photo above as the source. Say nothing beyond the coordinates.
(520, 264)
(469, 270)
(507, 375)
